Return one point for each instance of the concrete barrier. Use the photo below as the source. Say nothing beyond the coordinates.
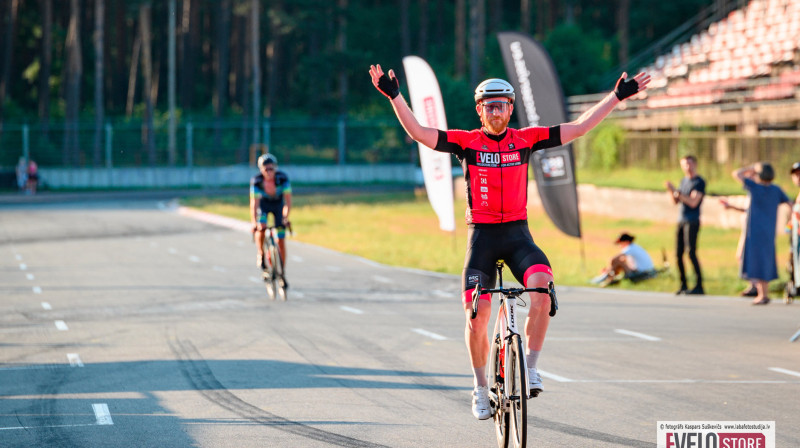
(647, 205)
(177, 177)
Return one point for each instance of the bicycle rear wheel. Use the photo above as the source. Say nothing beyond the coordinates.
(279, 281)
(516, 378)
(497, 387)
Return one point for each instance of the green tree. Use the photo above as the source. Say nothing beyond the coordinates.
(580, 58)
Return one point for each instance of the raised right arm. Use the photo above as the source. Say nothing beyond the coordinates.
(390, 87)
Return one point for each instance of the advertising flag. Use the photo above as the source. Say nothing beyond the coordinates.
(540, 102)
(426, 102)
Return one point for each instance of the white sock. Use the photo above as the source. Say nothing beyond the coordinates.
(532, 357)
(480, 376)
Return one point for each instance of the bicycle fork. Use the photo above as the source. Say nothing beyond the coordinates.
(508, 309)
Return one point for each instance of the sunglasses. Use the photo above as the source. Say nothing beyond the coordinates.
(268, 168)
(493, 107)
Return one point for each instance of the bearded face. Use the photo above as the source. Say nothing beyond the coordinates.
(495, 113)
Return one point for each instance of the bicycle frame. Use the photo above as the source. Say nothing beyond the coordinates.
(506, 323)
(506, 327)
(508, 366)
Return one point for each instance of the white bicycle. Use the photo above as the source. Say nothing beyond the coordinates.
(508, 372)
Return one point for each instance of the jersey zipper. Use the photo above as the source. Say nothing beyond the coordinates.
(502, 185)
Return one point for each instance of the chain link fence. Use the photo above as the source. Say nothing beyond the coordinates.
(205, 144)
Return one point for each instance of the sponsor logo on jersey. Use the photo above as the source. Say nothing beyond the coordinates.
(510, 157)
(488, 158)
(496, 159)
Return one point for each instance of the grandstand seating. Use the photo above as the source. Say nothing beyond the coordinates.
(754, 50)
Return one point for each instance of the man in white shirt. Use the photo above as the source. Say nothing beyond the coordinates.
(632, 261)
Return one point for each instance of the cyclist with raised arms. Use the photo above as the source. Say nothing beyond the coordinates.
(270, 193)
(495, 162)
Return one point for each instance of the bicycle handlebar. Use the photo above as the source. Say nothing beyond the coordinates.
(515, 292)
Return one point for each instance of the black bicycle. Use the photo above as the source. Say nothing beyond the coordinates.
(508, 372)
(273, 274)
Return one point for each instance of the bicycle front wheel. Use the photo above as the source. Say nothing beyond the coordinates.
(498, 389)
(516, 378)
(269, 272)
(279, 281)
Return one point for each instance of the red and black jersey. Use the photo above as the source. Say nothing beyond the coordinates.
(496, 169)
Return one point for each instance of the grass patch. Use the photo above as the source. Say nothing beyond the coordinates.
(401, 229)
(652, 180)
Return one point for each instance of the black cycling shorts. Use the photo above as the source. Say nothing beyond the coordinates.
(274, 208)
(511, 242)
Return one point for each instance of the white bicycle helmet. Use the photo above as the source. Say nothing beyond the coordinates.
(267, 159)
(492, 88)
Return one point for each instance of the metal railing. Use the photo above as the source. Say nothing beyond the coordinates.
(203, 143)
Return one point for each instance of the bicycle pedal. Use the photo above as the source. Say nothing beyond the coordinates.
(534, 393)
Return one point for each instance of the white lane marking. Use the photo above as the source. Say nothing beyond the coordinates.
(255, 280)
(219, 269)
(553, 376)
(47, 426)
(788, 372)
(23, 266)
(29, 276)
(333, 268)
(795, 336)
(222, 221)
(646, 337)
(74, 360)
(295, 258)
(172, 250)
(443, 294)
(101, 414)
(37, 290)
(194, 259)
(61, 325)
(46, 306)
(687, 381)
(351, 310)
(382, 279)
(429, 334)
(298, 294)
(587, 338)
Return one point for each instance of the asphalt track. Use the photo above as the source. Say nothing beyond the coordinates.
(128, 323)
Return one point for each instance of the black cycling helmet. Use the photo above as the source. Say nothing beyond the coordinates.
(493, 88)
(267, 159)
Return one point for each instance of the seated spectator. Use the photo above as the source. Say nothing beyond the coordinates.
(632, 262)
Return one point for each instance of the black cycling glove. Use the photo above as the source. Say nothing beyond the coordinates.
(389, 86)
(625, 89)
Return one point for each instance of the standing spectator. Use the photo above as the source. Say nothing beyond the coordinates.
(689, 195)
(22, 174)
(33, 177)
(758, 257)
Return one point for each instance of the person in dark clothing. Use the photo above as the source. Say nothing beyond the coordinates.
(689, 195)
